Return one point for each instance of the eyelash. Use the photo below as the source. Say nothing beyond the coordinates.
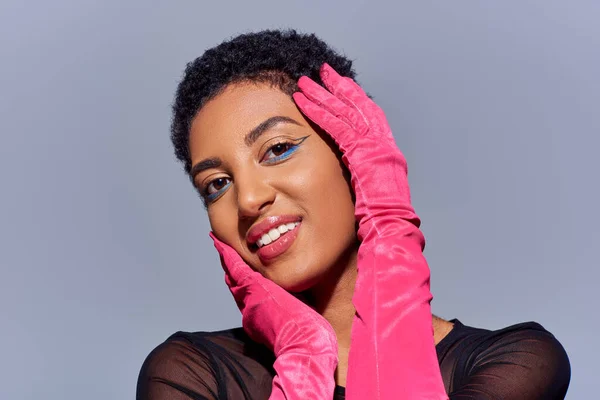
(293, 145)
(210, 197)
(291, 149)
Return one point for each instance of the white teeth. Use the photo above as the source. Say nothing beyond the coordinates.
(266, 239)
(275, 233)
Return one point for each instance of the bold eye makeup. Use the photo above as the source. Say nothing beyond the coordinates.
(215, 188)
(281, 150)
(277, 150)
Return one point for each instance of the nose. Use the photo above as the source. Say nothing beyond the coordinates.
(254, 195)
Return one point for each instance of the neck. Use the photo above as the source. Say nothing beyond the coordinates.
(332, 298)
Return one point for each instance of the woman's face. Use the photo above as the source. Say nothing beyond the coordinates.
(274, 187)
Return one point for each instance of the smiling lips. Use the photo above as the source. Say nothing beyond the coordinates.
(274, 235)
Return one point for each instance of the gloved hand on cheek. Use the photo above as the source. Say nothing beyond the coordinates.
(304, 343)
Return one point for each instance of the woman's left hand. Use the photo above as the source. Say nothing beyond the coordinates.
(392, 352)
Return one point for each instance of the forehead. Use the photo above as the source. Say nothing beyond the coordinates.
(237, 110)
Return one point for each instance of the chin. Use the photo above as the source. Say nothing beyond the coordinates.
(293, 278)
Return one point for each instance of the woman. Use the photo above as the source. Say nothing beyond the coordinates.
(308, 202)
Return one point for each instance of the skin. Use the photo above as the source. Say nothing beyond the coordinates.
(311, 184)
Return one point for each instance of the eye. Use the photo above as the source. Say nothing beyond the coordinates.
(216, 185)
(278, 149)
(215, 189)
(282, 150)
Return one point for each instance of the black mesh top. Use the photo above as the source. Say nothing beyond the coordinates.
(522, 361)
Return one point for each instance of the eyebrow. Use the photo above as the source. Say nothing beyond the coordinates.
(204, 165)
(264, 126)
(250, 139)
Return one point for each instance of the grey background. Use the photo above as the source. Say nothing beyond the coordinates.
(104, 246)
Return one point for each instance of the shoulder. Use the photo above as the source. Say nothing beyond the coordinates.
(527, 344)
(204, 365)
(526, 335)
(524, 358)
(175, 352)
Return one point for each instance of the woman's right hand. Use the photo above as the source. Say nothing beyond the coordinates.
(304, 343)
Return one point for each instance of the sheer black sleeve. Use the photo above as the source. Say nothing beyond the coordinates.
(206, 366)
(519, 362)
(522, 361)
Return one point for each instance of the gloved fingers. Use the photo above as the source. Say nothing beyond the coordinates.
(340, 132)
(234, 266)
(350, 92)
(320, 96)
(345, 88)
(228, 279)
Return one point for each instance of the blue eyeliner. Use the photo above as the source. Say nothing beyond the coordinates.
(293, 148)
(213, 196)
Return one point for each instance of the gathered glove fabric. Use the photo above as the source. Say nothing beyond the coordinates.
(304, 343)
(392, 353)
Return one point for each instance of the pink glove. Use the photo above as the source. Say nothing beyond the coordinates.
(304, 343)
(392, 353)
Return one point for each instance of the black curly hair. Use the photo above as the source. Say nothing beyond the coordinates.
(276, 57)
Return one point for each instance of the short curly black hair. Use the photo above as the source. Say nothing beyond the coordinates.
(276, 57)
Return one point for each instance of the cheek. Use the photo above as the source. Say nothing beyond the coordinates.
(224, 226)
(323, 191)
(336, 203)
